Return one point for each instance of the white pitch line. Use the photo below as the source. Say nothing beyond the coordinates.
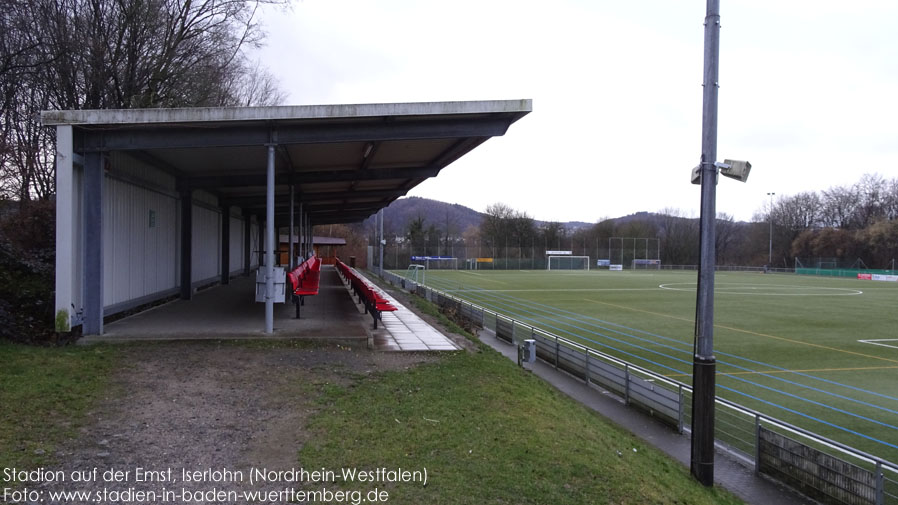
(876, 341)
(560, 290)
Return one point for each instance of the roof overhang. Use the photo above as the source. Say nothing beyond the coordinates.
(345, 162)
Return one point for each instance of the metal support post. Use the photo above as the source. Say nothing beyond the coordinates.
(301, 235)
(681, 408)
(291, 260)
(704, 363)
(186, 244)
(757, 443)
(269, 246)
(225, 244)
(247, 241)
(557, 351)
(93, 243)
(626, 384)
(586, 365)
(381, 243)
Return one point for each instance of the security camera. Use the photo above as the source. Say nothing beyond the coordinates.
(735, 169)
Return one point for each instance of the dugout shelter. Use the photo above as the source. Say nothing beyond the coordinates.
(154, 203)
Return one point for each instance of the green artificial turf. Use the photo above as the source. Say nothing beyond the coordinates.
(786, 345)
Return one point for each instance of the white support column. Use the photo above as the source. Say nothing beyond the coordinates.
(292, 259)
(301, 235)
(269, 246)
(65, 228)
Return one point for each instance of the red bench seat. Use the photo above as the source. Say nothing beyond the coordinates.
(370, 296)
(304, 280)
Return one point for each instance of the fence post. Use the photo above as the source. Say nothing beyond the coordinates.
(757, 443)
(557, 346)
(627, 384)
(880, 484)
(681, 408)
(586, 349)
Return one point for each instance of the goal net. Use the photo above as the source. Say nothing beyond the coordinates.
(646, 264)
(437, 262)
(568, 263)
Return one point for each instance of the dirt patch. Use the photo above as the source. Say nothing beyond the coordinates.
(211, 406)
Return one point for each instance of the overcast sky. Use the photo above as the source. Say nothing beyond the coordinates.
(809, 93)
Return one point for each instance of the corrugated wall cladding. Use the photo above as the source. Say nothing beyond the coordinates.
(140, 233)
(127, 166)
(236, 245)
(205, 246)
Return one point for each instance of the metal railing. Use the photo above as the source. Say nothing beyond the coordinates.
(821, 468)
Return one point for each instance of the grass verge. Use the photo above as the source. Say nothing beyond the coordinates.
(45, 393)
(487, 432)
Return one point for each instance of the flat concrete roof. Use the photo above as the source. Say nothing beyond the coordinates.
(280, 112)
(345, 162)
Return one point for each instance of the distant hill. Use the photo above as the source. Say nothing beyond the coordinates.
(398, 215)
(402, 211)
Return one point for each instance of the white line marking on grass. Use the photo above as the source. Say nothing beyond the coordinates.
(558, 290)
(483, 277)
(876, 341)
(724, 288)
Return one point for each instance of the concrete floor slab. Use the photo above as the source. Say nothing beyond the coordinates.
(404, 330)
(230, 312)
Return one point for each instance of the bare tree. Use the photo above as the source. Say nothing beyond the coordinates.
(679, 237)
(96, 54)
(839, 207)
(872, 191)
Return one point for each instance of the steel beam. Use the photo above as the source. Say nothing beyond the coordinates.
(225, 244)
(186, 244)
(247, 241)
(258, 134)
(313, 177)
(92, 204)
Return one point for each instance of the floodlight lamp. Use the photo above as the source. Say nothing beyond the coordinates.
(735, 169)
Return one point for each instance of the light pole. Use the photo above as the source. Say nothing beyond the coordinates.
(770, 220)
(704, 364)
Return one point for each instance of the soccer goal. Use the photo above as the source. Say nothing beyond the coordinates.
(568, 263)
(437, 262)
(441, 263)
(412, 273)
(646, 264)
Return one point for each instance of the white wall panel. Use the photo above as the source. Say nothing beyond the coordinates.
(139, 252)
(206, 244)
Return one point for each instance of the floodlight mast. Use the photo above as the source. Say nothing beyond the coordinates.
(704, 364)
